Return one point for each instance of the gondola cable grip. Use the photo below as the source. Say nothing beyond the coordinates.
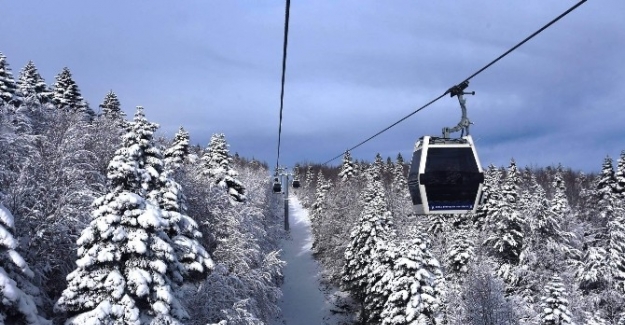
(463, 125)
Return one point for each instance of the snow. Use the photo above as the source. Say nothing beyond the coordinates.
(6, 217)
(304, 301)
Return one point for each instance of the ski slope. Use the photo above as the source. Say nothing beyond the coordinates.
(304, 301)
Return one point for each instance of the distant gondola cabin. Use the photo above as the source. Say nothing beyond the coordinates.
(277, 187)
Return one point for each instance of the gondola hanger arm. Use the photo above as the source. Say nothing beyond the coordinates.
(463, 125)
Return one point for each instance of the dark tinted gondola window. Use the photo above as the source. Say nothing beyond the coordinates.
(413, 178)
(451, 178)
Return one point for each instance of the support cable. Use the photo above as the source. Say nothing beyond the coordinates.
(286, 38)
(449, 91)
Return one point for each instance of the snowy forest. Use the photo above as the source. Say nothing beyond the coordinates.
(104, 222)
(101, 222)
(547, 246)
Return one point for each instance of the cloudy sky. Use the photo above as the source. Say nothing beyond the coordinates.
(354, 67)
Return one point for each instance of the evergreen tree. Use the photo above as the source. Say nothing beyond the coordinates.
(373, 229)
(555, 306)
(461, 253)
(347, 169)
(319, 206)
(560, 204)
(216, 162)
(31, 86)
(399, 185)
(399, 196)
(407, 290)
(8, 87)
(194, 261)
(616, 249)
(620, 177)
(111, 107)
(176, 155)
(309, 176)
(378, 165)
(593, 273)
(514, 175)
(67, 96)
(507, 238)
(399, 159)
(544, 221)
(492, 185)
(388, 168)
(125, 255)
(18, 305)
(308, 188)
(606, 183)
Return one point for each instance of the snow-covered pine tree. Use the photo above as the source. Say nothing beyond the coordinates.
(490, 190)
(559, 203)
(507, 235)
(347, 168)
(399, 184)
(543, 222)
(8, 86)
(388, 167)
(620, 177)
(593, 273)
(307, 187)
(400, 159)
(18, 305)
(514, 175)
(124, 255)
(319, 206)
(194, 262)
(216, 163)
(176, 155)
(31, 86)
(111, 107)
(373, 229)
(413, 294)
(605, 184)
(67, 95)
(309, 176)
(555, 306)
(462, 251)
(616, 248)
(378, 165)
(399, 196)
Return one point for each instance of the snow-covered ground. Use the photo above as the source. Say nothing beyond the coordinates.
(305, 302)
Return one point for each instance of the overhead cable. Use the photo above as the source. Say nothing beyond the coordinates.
(467, 79)
(284, 48)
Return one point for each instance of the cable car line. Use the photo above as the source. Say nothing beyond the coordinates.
(284, 48)
(451, 89)
(388, 127)
(526, 39)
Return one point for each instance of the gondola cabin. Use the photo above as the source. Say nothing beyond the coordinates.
(445, 176)
(277, 186)
(296, 183)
